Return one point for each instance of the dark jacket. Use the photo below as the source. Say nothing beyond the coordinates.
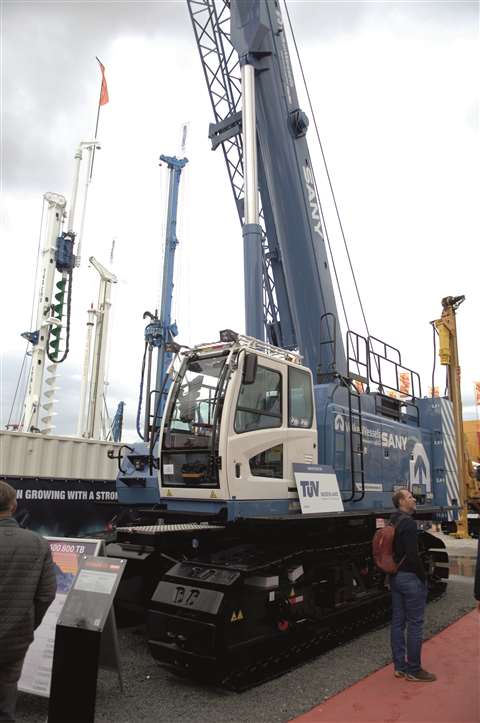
(405, 544)
(27, 587)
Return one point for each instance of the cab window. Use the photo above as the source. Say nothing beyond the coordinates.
(259, 404)
(268, 463)
(300, 403)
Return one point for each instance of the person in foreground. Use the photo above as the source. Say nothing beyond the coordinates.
(409, 593)
(27, 589)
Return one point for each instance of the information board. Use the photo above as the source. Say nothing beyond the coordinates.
(318, 489)
(87, 620)
(92, 593)
(67, 554)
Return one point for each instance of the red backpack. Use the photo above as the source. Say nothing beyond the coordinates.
(382, 548)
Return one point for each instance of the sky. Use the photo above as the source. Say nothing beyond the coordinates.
(394, 89)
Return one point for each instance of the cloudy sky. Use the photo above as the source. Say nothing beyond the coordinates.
(394, 87)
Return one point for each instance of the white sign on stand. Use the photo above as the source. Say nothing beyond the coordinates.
(317, 487)
(37, 668)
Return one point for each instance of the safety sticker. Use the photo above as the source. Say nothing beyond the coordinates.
(295, 600)
(236, 616)
(213, 495)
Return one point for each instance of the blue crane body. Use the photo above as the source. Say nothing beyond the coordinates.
(250, 430)
(287, 187)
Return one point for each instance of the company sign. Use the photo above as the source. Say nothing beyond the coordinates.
(317, 488)
(377, 437)
(420, 467)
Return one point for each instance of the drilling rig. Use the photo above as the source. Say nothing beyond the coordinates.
(457, 458)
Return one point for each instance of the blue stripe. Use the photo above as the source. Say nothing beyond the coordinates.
(234, 508)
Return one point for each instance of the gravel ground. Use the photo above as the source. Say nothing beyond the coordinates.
(153, 694)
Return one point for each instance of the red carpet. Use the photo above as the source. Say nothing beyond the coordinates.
(453, 655)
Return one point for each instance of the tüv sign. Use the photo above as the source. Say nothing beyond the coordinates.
(317, 488)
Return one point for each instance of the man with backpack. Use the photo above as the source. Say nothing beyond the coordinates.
(409, 593)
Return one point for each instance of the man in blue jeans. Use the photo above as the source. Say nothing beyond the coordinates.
(409, 593)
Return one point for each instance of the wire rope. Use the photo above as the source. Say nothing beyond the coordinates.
(337, 212)
(31, 316)
(326, 171)
(140, 394)
(16, 389)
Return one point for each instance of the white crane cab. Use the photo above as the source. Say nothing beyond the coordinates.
(240, 413)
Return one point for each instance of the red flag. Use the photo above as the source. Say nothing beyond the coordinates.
(103, 90)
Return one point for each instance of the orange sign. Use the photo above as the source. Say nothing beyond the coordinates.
(477, 392)
(405, 383)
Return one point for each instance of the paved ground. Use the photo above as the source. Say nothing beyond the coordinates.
(459, 548)
(154, 695)
(454, 698)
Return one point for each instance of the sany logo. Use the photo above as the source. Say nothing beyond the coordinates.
(420, 466)
(312, 199)
(372, 435)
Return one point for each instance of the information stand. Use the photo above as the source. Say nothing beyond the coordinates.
(37, 668)
(78, 640)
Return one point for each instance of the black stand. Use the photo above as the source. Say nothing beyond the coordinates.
(74, 675)
(86, 638)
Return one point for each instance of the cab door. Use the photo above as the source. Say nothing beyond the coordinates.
(262, 443)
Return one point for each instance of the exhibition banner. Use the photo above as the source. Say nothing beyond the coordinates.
(67, 553)
(66, 507)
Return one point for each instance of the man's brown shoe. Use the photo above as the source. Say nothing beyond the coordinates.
(421, 676)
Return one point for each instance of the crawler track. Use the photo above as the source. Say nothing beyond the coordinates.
(337, 630)
(193, 634)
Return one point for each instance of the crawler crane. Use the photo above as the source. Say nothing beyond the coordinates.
(274, 470)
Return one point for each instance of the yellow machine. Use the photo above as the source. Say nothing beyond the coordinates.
(468, 485)
(471, 428)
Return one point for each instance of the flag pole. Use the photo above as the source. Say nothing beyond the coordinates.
(98, 113)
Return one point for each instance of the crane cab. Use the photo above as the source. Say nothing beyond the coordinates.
(240, 413)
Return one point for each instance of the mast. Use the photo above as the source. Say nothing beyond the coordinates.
(447, 330)
(39, 338)
(166, 328)
(92, 425)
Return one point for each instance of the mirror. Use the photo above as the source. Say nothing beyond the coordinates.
(249, 368)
